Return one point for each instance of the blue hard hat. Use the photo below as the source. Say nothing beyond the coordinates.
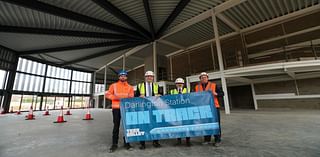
(122, 72)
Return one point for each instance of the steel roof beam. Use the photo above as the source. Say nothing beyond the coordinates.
(217, 10)
(133, 44)
(181, 5)
(229, 22)
(169, 43)
(122, 16)
(148, 14)
(74, 47)
(58, 32)
(281, 19)
(50, 9)
(283, 37)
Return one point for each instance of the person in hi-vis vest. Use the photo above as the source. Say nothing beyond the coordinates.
(180, 90)
(146, 89)
(116, 92)
(206, 85)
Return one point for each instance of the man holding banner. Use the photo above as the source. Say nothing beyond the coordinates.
(147, 89)
(117, 91)
(180, 90)
(205, 85)
(170, 116)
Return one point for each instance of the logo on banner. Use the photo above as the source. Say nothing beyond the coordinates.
(170, 116)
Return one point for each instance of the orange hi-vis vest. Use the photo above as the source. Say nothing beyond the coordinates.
(212, 88)
(118, 91)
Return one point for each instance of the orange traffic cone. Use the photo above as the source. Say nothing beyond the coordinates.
(68, 112)
(11, 111)
(46, 113)
(60, 117)
(30, 115)
(88, 115)
(18, 112)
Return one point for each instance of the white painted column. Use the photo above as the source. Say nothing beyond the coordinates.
(93, 88)
(254, 97)
(105, 84)
(171, 74)
(155, 67)
(296, 85)
(188, 84)
(124, 62)
(220, 60)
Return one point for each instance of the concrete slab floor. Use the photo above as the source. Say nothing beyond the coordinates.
(245, 133)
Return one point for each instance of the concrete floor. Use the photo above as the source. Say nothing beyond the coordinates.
(245, 133)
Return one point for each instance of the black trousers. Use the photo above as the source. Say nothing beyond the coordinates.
(144, 142)
(217, 138)
(187, 139)
(116, 125)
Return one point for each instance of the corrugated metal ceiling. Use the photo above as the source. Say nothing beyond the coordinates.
(87, 8)
(25, 42)
(194, 8)
(134, 9)
(160, 10)
(198, 32)
(13, 15)
(257, 11)
(244, 15)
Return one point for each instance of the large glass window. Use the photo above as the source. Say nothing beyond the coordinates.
(31, 67)
(80, 88)
(35, 80)
(26, 82)
(99, 88)
(61, 102)
(57, 86)
(16, 102)
(80, 101)
(3, 78)
(49, 102)
(36, 102)
(27, 101)
(57, 72)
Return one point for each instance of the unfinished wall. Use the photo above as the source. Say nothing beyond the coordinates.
(290, 103)
(305, 87)
(194, 62)
(275, 87)
(136, 76)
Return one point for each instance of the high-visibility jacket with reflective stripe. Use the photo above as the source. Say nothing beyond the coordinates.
(175, 91)
(210, 87)
(118, 91)
(142, 90)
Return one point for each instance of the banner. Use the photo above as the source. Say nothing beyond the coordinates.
(170, 116)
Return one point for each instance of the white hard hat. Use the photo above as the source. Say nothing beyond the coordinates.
(203, 74)
(149, 73)
(179, 80)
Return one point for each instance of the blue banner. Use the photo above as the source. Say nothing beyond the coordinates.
(170, 116)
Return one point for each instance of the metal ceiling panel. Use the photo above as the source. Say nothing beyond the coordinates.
(160, 11)
(13, 15)
(88, 8)
(194, 8)
(74, 54)
(194, 34)
(103, 60)
(256, 11)
(133, 9)
(163, 49)
(26, 42)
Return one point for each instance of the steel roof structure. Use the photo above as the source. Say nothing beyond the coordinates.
(90, 34)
